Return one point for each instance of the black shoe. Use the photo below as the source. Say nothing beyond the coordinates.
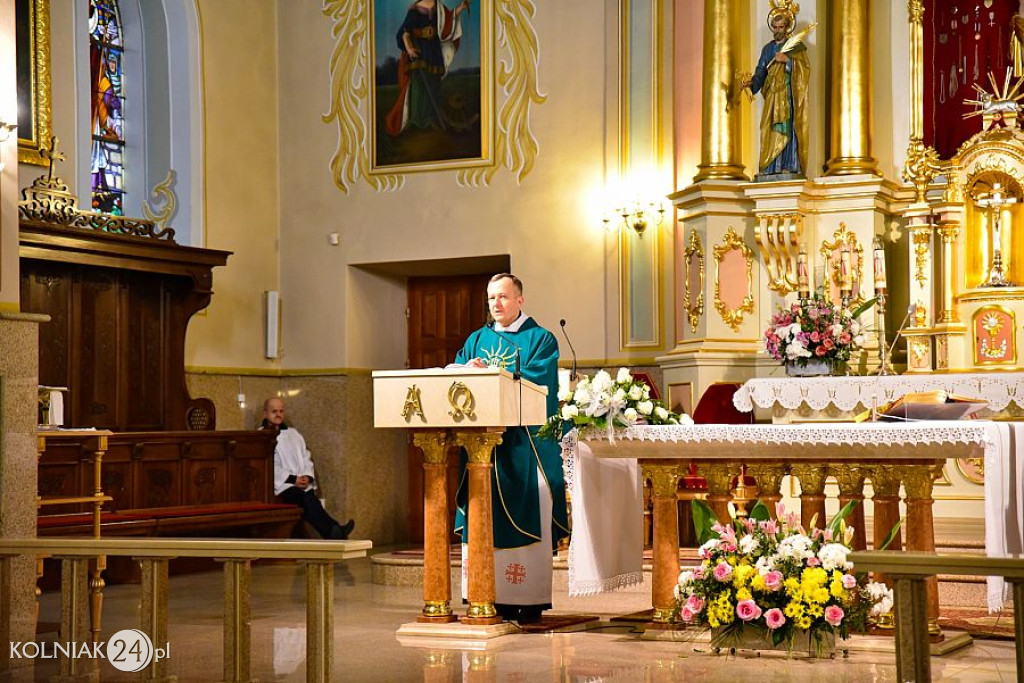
(507, 612)
(340, 533)
(530, 615)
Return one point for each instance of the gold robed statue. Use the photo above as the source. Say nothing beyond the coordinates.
(782, 76)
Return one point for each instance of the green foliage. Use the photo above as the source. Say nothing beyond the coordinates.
(703, 519)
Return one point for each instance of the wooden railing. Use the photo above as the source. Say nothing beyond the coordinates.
(154, 556)
(909, 572)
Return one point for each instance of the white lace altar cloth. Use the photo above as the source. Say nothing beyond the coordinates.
(607, 503)
(846, 393)
(1004, 502)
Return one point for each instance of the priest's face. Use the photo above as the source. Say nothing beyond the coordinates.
(273, 412)
(505, 301)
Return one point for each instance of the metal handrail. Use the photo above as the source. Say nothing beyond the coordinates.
(155, 554)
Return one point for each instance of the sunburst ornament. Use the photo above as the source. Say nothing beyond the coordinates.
(1000, 106)
(499, 357)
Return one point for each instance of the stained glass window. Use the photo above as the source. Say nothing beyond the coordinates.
(106, 52)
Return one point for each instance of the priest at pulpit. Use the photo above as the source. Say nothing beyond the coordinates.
(529, 509)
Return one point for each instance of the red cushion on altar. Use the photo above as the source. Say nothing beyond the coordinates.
(715, 406)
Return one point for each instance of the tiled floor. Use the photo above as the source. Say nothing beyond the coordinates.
(366, 649)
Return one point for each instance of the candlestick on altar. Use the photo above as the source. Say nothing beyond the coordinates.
(803, 281)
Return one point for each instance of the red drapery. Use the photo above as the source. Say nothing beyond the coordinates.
(963, 42)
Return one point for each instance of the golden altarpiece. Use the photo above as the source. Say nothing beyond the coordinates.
(948, 232)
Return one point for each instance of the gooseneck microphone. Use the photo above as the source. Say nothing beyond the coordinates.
(572, 373)
(517, 374)
(911, 311)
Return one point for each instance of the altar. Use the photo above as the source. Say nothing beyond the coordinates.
(886, 454)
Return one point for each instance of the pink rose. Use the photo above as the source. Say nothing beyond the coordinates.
(815, 337)
(747, 610)
(849, 581)
(695, 604)
(820, 350)
(698, 573)
(845, 338)
(722, 572)
(773, 580)
(834, 615)
(774, 618)
(813, 562)
(686, 615)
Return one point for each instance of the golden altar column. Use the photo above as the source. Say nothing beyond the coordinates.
(481, 591)
(850, 96)
(664, 479)
(720, 118)
(437, 579)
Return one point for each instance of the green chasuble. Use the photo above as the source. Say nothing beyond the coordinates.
(515, 503)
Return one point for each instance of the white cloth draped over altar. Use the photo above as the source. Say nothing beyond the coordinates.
(847, 393)
(606, 548)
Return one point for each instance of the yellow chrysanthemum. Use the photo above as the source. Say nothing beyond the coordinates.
(814, 576)
(791, 585)
(794, 609)
(743, 594)
(837, 590)
(803, 623)
(758, 584)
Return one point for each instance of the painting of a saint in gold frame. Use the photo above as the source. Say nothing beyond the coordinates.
(32, 37)
(432, 84)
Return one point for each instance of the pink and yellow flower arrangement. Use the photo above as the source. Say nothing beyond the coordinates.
(814, 329)
(773, 578)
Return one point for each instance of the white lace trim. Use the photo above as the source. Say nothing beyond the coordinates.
(579, 587)
(846, 393)
(864, 433)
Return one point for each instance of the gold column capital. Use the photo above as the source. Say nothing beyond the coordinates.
(664, 478)
(478, 445)
(768, 476)
(811, 477)
(719, 475)
(434, 444)
(850, 479)
(885, 480)
(915, 12)
(921, 167)
(919, 480)
(949, 232)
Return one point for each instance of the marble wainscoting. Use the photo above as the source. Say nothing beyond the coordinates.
(362, 470)
(19, 417)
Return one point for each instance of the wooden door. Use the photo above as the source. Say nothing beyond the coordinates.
(442, 313)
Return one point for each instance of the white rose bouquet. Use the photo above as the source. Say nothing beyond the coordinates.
(605, 402)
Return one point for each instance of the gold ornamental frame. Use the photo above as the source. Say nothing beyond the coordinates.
(38, 102)
(843, 235)
(508, 140)
(734, 317)
(1012, 360)
(694, 306)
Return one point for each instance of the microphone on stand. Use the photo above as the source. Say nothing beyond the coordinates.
(911, 310)
(518, 373)
(572, 373)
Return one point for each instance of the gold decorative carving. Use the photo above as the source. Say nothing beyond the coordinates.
(843, 236)
(664, 479)
(850, 479)
(48, 200)
(478, 445)
(694, 306)
(413, 404)
(719, 476)
(919, 480)
(437, 608)
(434, 445)
(920, 350)
(734, 317)
(885, 480)
(515, 146)
(462, 401)
(811, 477)
(915, 10)
(778, 239)
(30, 149)
(922, 240)
(163, 192)
(921, 167)
(768, 477)
(972, 469)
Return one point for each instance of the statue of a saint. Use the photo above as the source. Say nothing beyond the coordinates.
(782, 76)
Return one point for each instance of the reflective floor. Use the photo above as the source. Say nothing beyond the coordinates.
(366, 648)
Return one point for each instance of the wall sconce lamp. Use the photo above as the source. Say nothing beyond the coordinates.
(637, 216)
(6, 129)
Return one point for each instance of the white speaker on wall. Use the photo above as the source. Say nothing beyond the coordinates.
(272, 310)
